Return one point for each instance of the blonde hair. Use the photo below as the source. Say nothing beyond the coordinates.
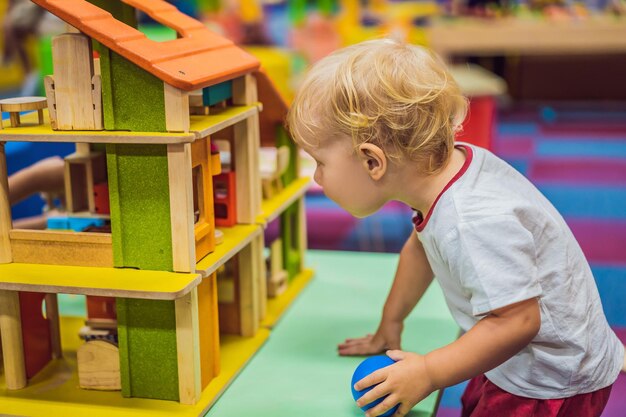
(397, 96)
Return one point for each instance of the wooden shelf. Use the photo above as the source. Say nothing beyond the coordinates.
(535, 36)
(109, 282)
(235, 239)
(273, 207)
(203, 126)
(200, 127)
(30, 131)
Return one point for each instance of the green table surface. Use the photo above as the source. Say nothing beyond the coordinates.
(298, 372)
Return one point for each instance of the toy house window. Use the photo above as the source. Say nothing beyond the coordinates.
(80, 236)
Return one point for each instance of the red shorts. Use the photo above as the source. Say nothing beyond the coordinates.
(482, 398)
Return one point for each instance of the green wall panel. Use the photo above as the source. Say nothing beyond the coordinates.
(140, 206)
(132, 99)
(147, 343)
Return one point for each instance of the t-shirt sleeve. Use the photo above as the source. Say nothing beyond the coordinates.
(496, 263)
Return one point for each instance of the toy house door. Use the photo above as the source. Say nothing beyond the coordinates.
(40, 333)
(76, 103)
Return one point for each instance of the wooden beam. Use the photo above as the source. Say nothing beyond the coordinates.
(248, 290)
(257, 250)
(248, 180)
(245, 90)
(61, 236)
(210, 334)
(5, 210)
(176, 109)
(188, 348)
(181, 207)
(82, 150)
(61, 248)
(302, 231)
(12, 344)
(255, 139)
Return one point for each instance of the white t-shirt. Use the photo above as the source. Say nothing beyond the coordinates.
(492, 239)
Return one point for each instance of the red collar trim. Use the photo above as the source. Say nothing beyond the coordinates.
(419, 222)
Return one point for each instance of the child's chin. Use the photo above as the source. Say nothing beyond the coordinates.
(359, 214)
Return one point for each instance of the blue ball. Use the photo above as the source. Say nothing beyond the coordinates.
(367, 367)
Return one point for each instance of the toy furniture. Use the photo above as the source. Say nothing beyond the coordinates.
(271, 180)
(156, 327)
(277, 276)
(16, 105)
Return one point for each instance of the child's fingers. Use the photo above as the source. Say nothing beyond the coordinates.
(372, 379)
(356, 347)
(354, 343)
(396, 355)
(402, 411)
(373, 394)
(386, 405)
(358, 339)
(359, 349)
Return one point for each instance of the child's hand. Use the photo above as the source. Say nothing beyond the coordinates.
(387, 337)
(406, 383)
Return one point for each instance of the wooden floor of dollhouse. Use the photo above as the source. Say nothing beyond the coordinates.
(54, 390)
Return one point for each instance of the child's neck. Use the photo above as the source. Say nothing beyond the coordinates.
(422, 191)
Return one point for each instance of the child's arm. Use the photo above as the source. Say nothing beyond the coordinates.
(492, 341)
(412, 278)
(43, 176)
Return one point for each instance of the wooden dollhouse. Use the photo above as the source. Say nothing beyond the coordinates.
(146, 117)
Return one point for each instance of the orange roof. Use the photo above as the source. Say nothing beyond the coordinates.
(198, 59)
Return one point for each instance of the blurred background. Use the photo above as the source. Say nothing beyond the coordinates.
(546, 81)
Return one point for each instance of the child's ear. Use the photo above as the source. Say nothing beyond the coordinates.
(373, 159)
